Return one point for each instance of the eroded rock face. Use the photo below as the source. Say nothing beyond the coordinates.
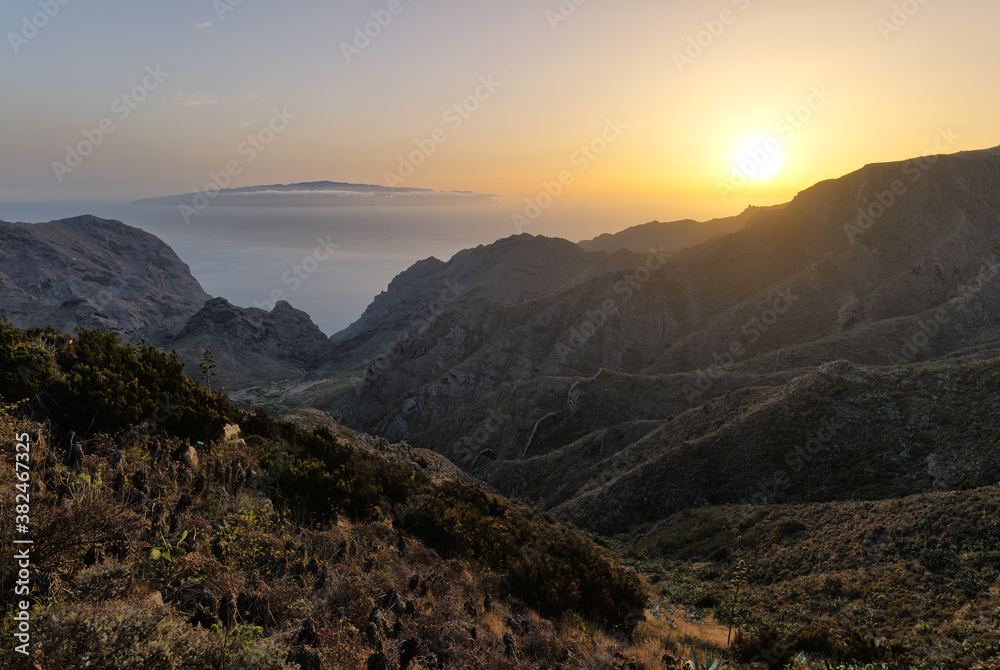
(251, 346)
(284, 334)
(811, 283)
(95, 273)
(508, 272)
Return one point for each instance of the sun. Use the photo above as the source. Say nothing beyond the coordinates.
(759, 157)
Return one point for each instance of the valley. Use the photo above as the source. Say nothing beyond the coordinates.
(807, 392)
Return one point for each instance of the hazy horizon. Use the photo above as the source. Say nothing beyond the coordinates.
(695, 113)
(499, 99)
(238, 253)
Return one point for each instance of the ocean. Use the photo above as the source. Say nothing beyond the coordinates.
(254, 255)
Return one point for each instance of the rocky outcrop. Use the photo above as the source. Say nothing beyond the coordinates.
(97, 273)
(250, 345)
(890, 265)
(284, 334)
(508, 272)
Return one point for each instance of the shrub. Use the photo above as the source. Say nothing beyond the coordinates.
(760, 645)
(860, 647)
(552, 568)
(329, 477)
(26, 368)
(144, 635)
(817, 641)
(109, 386)
(98, 384)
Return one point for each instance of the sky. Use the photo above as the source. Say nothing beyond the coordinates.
(593, 113)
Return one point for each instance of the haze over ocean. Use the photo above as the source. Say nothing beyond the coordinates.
(245, 254)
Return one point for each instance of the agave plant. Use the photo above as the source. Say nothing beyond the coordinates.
(170, 548)
(708, 664)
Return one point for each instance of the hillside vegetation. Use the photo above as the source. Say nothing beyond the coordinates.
(175, 530)
(163, 540)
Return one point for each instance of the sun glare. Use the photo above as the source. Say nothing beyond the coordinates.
(758, 158)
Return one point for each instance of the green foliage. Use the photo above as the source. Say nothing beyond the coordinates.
(111, 385)
(170, 548)
(329, 476)
(262, 424)
(552, 568)
(98, 384)
(708, 664)
(26, 367)
(243, 541)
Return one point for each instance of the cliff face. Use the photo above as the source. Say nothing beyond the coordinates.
(508, 272)
(95, 273)
(888, 266)
(251, 345)
(868, 302)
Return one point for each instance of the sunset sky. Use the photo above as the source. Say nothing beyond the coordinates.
(675, 89)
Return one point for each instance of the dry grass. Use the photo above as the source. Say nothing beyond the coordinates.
(240, 541)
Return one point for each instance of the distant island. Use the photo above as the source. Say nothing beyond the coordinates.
(313, 194)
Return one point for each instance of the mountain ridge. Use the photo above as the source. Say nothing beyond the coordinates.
(97, 273)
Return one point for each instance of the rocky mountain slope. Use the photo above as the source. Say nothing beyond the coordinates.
(96, 273)
(672, 236)
(893, 264)
(582, 377)
(205, 537)
(511, 271)
(250, 345)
